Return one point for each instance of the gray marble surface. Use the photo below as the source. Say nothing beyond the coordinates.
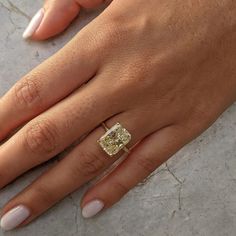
(194, 194)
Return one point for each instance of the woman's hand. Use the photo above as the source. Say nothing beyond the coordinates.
(164, 69)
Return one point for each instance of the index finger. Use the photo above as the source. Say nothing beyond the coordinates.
(48, 83)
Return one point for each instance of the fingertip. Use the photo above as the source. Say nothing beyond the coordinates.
(14, 217)
(34, 24)
(51, 20)
(92, 208)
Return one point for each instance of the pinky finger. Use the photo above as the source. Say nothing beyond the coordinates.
(146, 157)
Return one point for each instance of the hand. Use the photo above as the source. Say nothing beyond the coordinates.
(165, 71)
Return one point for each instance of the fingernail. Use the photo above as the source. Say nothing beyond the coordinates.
(92, 208)
(34, 24)
(14, 217)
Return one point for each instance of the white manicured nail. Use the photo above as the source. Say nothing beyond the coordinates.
(92, 208)
(14, 217)
(34, 24)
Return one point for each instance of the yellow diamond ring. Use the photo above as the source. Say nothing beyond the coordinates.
(115, 139)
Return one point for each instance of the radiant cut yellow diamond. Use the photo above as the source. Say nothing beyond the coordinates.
(114, 139)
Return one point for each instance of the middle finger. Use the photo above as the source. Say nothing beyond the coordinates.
(53, 131)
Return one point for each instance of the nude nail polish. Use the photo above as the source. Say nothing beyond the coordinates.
(14, 217)
(92, 208)
(34, 24)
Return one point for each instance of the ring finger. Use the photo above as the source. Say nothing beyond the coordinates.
(84, 162)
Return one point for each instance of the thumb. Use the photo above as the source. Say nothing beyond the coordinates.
(54, 17)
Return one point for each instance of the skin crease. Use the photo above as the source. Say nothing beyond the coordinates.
(165, 69)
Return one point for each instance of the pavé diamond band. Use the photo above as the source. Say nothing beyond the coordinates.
(115, 139)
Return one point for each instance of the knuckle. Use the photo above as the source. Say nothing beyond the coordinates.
(26, 92)
(146, 163)
(113, 32)
(135, 74)
(90, 163)
(111, 35)
(41, 137)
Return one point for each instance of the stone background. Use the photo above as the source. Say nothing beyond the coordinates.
(194, 194)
